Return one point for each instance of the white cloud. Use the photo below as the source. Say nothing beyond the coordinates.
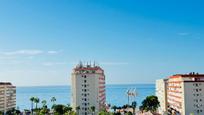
(53, 52)
(22, 52)
(53, 63)
(27, 52)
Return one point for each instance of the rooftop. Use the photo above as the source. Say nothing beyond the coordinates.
(192, 74)
(88, 66)
(5, 83)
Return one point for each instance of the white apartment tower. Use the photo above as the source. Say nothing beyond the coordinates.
(7, 96)
(185, 94)
(161, 93)
(88, 88)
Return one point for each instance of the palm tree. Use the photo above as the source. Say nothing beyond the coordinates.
(134, 105)
(44, 102)
(32, 101)
(77, 109)
(114, 108)
(36, 101)
(53, 99)
(93, 109)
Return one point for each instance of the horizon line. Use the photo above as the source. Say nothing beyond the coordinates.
(70, 85)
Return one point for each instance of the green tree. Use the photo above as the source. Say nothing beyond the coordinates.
(77, 109)
(104, 113)
(134, 105)
(32, 101)
(151, 104)
(129, 113)
(93, 109)
(59, 109)
(68, 109)
(17, 112)
(114, 108)
(44, 111)
(53, 100)
(44, 102)
(36, 101)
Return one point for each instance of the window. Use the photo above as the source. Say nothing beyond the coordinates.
(84, 81)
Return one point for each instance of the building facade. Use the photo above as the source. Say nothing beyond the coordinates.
(88, 89)
(7, 96)
(185, 94)
(161, 93)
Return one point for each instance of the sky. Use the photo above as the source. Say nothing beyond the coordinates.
(134, 41)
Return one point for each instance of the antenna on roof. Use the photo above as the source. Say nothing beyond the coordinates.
(80, 63)
(94, 64)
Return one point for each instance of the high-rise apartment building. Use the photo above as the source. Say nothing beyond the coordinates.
(161, 93)
(88, 88)
(7, 96)
(185, 94)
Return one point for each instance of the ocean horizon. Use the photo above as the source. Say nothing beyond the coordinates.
(115, 94)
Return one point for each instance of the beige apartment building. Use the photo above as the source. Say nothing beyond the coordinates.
(7, 96)
(88, 88)
(185, 94)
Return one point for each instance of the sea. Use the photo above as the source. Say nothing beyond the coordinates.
(115, 94)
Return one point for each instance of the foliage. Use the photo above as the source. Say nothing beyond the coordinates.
(129, 113)
(36, 101)
(59, 109)
(104, 113)
(117, 113)
(93, 109)
(44, 102)
(44, 111)
(134, 105)
(53, 99)
(32, 101)
(151, 104)
(114, 108)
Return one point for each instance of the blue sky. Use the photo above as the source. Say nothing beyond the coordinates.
(135, 41)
